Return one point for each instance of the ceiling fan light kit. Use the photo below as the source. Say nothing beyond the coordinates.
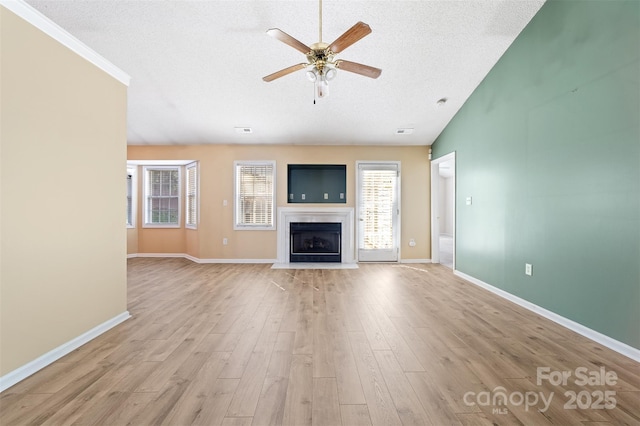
(321, 64)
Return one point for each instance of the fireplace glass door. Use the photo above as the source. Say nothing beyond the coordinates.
(315, 242)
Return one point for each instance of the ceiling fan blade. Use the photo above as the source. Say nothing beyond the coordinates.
(284, 72)
(287, 39)
(350, 36)
(357, 68)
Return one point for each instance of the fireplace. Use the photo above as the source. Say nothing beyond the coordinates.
(315, 242)
(328, 214)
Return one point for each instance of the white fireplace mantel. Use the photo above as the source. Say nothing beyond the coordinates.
(343, 215)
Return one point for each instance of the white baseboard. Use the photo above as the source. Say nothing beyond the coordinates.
(234, 260)
(198, 260)
(37, 364)
(596, 336)
(158, 255)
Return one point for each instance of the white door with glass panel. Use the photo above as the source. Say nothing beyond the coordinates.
(378, 204)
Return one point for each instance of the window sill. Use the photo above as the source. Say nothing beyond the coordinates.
(160, 226)
(254, 228)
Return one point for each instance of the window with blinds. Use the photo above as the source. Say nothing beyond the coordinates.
(191, 202)
(162, 196)
(131, 197)
(129, 200)
(254, 195)
(377, 203)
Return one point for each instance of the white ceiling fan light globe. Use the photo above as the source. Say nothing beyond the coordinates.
(322, 88)
(330, 74)
(312, 75)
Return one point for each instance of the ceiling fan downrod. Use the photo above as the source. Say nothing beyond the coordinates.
(320, 21)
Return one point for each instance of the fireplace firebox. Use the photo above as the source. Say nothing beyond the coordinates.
(315, 242)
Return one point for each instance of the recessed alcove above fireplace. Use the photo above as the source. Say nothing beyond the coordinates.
(317, 183)
(343, 216)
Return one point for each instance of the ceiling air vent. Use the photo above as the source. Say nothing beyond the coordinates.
(244, 130)
(404, 131)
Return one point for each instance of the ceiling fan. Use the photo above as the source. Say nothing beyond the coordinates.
(321, 64)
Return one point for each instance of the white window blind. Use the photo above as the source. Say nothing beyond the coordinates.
(377, 199)
(129, 199)
(191, 216)
(254, 195)
(131, 195)
(162, 197)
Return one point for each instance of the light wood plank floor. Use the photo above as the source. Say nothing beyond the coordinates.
(385, 344)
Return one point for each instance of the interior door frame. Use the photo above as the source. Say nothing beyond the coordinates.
(399, 205)
(435, 206)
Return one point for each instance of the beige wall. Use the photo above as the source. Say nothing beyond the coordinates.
(63, 145)
(132, 240)
(216, 185)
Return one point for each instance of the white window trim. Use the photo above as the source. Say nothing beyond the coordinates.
(239, 227)
(186, 195)
(133, 171)
(145, 190)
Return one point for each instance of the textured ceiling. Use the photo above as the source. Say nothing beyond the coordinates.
(196, 67)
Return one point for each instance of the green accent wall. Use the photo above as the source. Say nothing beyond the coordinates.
(548, 146)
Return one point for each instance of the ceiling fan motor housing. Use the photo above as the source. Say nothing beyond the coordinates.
(320, 56)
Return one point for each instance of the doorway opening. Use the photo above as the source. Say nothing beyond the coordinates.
(443, 207)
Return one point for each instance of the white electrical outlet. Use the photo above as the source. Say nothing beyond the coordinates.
(412, 242)
(225, 241)
(304, 196)
(528, 269)
(224, 203)
(326, 196)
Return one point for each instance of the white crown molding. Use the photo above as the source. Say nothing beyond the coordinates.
(613, 344)
(46, 25)
(37, 364)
